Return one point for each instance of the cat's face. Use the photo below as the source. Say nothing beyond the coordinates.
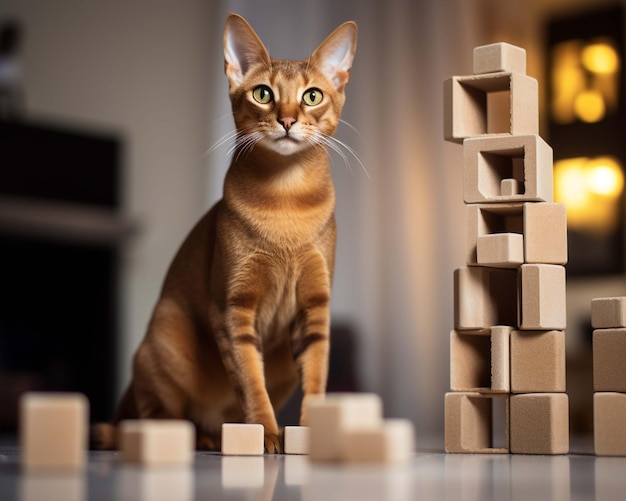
(286, 106)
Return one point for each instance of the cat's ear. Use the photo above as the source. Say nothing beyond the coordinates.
(242, 49)
(335, 54)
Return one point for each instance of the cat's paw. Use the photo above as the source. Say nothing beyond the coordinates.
(272, 444)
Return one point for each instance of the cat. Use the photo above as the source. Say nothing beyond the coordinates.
(244, 311)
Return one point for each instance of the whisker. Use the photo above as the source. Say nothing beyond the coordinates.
(338, 146)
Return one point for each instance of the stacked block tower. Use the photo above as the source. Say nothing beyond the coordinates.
(508, 341)
(608, 317)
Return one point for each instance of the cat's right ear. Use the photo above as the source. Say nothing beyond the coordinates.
(242, 49)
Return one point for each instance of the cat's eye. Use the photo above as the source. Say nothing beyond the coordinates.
(313, 97)
(262, 94)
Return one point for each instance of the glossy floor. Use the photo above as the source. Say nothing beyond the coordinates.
(429, 476)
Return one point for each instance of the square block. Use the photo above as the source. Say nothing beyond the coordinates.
(330, 417)
(545, 233)
(490, 219)
(489, 161)
(484, 297)
(499, 57)
(391, 443)
(608, 312)
(466, 101)
(296, 439)
(609, 416)
(155, 442)
(543, 297)
(479, 360)
(609, 360)
(539, 423)
(469, 423)
(510, 187)
(500, 250)
(537, 361)
(240, 439)
(53, 431)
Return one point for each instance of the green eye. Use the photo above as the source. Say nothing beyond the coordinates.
(262, 94)
(313, 97)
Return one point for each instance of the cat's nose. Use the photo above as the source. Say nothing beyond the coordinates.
(287, 122)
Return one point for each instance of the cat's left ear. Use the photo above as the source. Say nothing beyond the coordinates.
(335, 54)
(242, 49)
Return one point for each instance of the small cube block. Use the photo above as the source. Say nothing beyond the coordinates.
(609, 416)
(510, 187)
(330, 417)
(296, 439)
(239, 439)
(469, 423)
(393, 442)
(153, 442)
(537, 361)
(539, 423)
(545, 233)
(608, 312)
(500, 250)
(499, 57)
(53, 431)
(479, 360)
(609, 360)
(543, 297)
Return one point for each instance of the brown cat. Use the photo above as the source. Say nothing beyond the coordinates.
(244, 310)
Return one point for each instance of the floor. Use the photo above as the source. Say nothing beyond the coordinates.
(431, 475)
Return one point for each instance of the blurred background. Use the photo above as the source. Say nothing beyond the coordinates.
(108, 110)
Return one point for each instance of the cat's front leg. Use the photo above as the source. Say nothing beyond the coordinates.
(311, 336)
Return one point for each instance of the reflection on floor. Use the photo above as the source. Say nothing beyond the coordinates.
(429, 476)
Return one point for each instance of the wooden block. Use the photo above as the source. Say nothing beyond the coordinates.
(500, 250)
(479, 360)
(609, 416)
(469, 423)
(466, 102)
(545, 233)
(53, 431)
(539, 423)
(609, 360)
(296, 439)
(543, 297)
(391, 443)
(484, 297)
(537, 361)
(156, 442)
(499, 57)
(608, 312)
(330, 417)
(490, 160)
(239, 439)
(510, 188)
(490, 219)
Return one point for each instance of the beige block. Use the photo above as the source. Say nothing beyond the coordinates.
(499, 57)
(296, 439)
(53, 431)
(545, 233)
(469, 423)
(543, 297)
(537, 361)
(490, 219)
(609, 416)
(159, 442)
(479, 360)
(608, 312)
(330, 417)
(391, 443)
(484, 297)
(539, 423)
(609, 360)
(241, 439)
(466, 105)
(500, 250)
(489, 161)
